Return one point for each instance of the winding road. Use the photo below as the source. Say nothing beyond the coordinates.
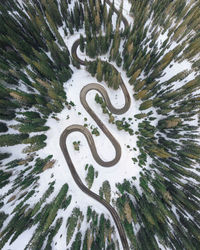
(90, 140)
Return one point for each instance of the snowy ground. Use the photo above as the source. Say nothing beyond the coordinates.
(124, 169)
(126, 9)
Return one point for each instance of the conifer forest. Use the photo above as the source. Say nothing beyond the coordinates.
(100, 124)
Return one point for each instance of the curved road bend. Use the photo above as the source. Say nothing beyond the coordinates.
(77, 42)
(124, 20)
(80, 184)
(90, 140)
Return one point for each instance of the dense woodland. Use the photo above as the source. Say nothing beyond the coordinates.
(35, 63)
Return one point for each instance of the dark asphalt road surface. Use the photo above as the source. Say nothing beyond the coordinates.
(90, 140)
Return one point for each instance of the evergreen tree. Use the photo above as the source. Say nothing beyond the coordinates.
(99, 71)
(82, 45)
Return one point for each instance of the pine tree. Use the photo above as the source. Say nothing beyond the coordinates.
(82, 44)
(3, 127)
(91, 48)
(54, 28)
(99, 75)
(105, 15)
(97, 22)
(135, 76)
(76, 16)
